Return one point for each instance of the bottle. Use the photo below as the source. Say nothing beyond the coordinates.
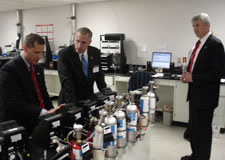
(184, 65)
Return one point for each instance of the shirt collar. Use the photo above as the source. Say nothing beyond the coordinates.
(26, 62)
(85, 54)
(203, 40)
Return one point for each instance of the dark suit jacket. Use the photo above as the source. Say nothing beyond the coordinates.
(18, 98)
(74, 85)
(209, 67)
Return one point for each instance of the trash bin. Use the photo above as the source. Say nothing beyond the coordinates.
(216, 131)
(167, 114)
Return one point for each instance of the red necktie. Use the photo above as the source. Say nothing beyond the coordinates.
(193, 55)
(36, 84)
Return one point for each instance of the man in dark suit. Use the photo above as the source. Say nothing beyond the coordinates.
(204, 71)
(79, 68)
(20, 97)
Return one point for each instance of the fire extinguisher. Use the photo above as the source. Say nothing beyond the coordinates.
(76, 152)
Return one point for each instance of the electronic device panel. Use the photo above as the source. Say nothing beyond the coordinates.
(161, 60)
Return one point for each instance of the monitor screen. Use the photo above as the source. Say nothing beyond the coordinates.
(161, 60)
(47, 58)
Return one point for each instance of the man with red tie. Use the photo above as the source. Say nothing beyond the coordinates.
(205, 69)
(23, 93)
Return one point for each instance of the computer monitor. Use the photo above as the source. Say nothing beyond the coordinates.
(47, 58)
(161, 60)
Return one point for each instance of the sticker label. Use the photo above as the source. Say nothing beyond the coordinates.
(133, 118)
(132, 129)
(114, 131)
(85, 147)
(144, 104)
(56, 124)
(96, 69)
(78, 115)
(92, 107)
(152, 102)
(78, 153)
(122, 124)
(122, 135)
(16, 137)
(107, 130)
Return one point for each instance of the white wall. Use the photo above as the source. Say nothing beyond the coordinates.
(152, 23)
(8, 28)
(145, 22)
(59, 16)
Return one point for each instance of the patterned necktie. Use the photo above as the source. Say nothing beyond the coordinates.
(84, 65)
(193, 55)
(37, 87)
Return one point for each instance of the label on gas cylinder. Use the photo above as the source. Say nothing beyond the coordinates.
(85, 147)
(107, 130)
(133, 118)
(121, 135)
(113, 143)
(131, 129)
(114, 131)
(77, 153)
(144, 104)
(152, 102)
(122, 124)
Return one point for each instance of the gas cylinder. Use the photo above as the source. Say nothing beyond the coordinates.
(152, 102)
(76, 152)
(98, 153)
(98, 137)
(111, 151)
(132, 113)
(144, 106)
(121, 128)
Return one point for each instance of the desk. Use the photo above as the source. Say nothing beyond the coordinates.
(174, 92)
(170, 92)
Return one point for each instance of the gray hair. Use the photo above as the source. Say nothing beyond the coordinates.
(30, 39)
(204, 17)
(84, 31)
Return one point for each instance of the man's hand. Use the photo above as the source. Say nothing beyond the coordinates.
(182, 78)
(186, 77)
(55, 109)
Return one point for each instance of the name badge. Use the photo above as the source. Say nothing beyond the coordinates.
(96, 69)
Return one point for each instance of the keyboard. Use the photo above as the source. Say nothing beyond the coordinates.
(167, 74)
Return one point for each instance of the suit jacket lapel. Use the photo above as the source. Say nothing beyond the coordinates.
(77, 64)
(202, 51)
(25, 73)
(90, 60)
